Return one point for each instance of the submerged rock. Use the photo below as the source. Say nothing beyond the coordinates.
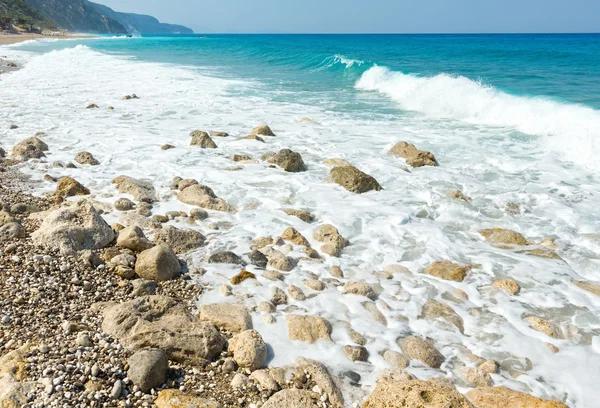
(434, 309)
(448, 270)
(413, 156)
(305, 216)
(544, 326)
(354, 180)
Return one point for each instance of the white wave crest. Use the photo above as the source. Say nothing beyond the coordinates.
(571, 129)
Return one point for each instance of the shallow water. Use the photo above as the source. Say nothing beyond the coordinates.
(511, 119)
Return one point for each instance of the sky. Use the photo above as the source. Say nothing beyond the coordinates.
(371, 16)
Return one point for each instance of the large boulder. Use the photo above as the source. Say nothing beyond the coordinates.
(263, 130)
(230, 316)
(291, 398)
(417, 394)
(148, 369)
(74, 228)
(141, 190)
(203, 196)
(502, 397)
(158, 263)
(69, 187)
(413, 156)
(180, 240)
(249, 350)
(321, 376)
(448, 270)
(354, 180)
(133, 238)
(178, 399)
(162, 323)
(86, 158)
(415, 348)
(309, 329)
(288, 160)
(30, 148)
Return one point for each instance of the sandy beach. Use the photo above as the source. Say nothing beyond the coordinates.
(17, 38)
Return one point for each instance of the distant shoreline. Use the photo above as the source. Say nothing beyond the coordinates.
(17, 38)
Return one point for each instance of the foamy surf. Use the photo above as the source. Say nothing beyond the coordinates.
(411, 222)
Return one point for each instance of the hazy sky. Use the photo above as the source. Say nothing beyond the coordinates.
(372, 16)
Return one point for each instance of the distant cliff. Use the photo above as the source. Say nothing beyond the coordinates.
(77, 16)
(19, 10)
(141, 24)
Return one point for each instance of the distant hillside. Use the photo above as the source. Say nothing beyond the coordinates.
(77, 16)
(141, 24)
(18, 9)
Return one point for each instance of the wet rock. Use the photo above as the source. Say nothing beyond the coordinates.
(502, 397)
(360, 289)
(336, 271)
(160, 322)
(434, 310)
(179, 399)
(74, 228)
(167, 147)
(356, 353)
(591, 287)
(413, 156)
(225, 257)
(141, 190)
(375, 312)
(292, 235)
(249, 350)
(288, 160)
(158, 263)
(148, 369)
(86, 158)
(291, 398)
(203, 196)
(124, 204)
(353, 179)
(309, 329)
(133, 238)
(296, 293)
(219, 134)
(458, 195)
(240, 157)
(92, 106)
(489, 366)
(475, 377)
(499, 236)
(198, 214)
(314, 284)
(285, 264)
(241, 277)
(69, 187)
(258, 259)
(203, 140)
(305, 216)
(253, 137)
(321, 376)
(274, 276)
(396, 359)
(416, 393)
(263, 130)
(448, 271)
(334, 242)
(415, 348)
(278, 296)
(507, 285)
(129, 97)
(180, 240)
(230, 316)
(544, 326)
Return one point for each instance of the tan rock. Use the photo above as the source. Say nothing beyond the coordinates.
(203, 140)
(434, 309)
(203, 196)
(242, 276)
(288, 160)
(249, 350)
(396, 359)
(591, 287)
(178, 399)
(321, 376)
(314, 284)
(502, 397)
(375, 312)
(305, 216)
(158, 263)
(229, 316)
(334, 242)
(253, 137)
(414, 157)
(499, 236)
(308, 328)
(296, 293)
(475, 377)
(489, 366)
(263, 130)
(180, 240)
(292, 235)
(544, 326)
(336, 271)
(507, 285)
(69, 187)
(13, 392)
(415, 348)
(240, 157)
(133, 238)
(291, 398)
(219, 134)
(354, 180)
(141, 190)
(285, 264)
(356, 353)
(416, 394)
(29, 148)
(86, 158)
(448, 270)
(359, 289)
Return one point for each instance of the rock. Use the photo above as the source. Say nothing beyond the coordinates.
(203, 140)
(133, 238)
(10, 231)
(396, 359)
(448, 271)
(167, 147)
(308, 328)
(136, 220)
(258, 259)
(489, 366)
(6, 217)
(86, 158)
(158, 263)
(262, 130)
(13, 392)
(353, 179)
(219, 134)
(230, 316)
(356, 353)
(142, 287)
(198, 214)
(591, 287)
(321, 376)
(148, 369)
(178, 399)
(337, 162)
(124, 204)
(128, 97)
(292, 235)
(360, 289)
(249, 350)
(303, 215)
(314, 284)
(336, 271)
(264, 381)
(284, 264)
(278, 296)
(544, 326)
(414, 157)
(507, 285)
(203, 196)
(291, 398)
(69, 187)
(334, 242)
(226, 257)
(74, 228)
(417, 394)
(180, 240)
(502, 397)
(296, 293)
(141, 190)
(242, 276)
(253, 137)
(160, 322)
(92, 106)
(458, 195)
(415, 348)
(475, 377)
(288, 160)
(240, 157)
(499, 236)
(434, 309)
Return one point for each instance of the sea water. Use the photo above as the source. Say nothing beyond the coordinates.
(510, 118)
